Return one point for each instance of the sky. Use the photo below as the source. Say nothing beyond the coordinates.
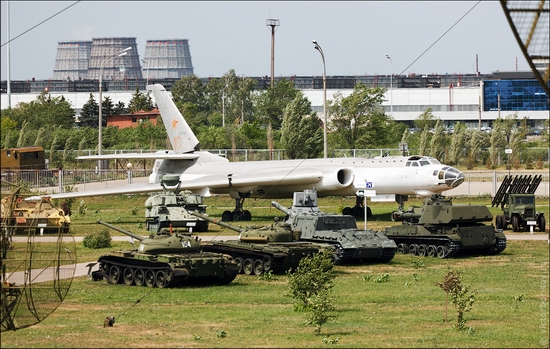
(421, 37)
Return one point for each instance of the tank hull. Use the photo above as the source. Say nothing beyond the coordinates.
(165, 270)
(447, 241)
(258, 258)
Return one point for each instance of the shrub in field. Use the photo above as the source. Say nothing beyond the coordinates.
(310, 285)
(460, 295)
(96, 240)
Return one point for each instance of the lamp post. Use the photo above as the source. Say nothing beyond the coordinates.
(147, 70)
(318, 48)
(107, 59)
(391, 83)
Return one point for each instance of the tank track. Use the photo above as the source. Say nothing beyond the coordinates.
(426, 246)
(268, 261)
(133, 272)
(499, 246)
(346, 256)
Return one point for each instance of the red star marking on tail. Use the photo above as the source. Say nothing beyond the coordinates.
(174, 123)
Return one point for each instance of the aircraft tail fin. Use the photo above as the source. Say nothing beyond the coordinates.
(181, 136)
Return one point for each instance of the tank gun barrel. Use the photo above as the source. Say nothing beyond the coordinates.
(400, 216)
(123, 231)
(280, 207)
(217, 221)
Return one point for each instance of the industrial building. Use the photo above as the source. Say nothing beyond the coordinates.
(474, 100)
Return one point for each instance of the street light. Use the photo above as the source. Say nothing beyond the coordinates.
(146, 63)
(111, 57)
(318, 48)
(391, 83)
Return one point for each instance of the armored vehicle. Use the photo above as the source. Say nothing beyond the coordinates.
(516, 197)
(39, 214)
(164, 260)
(171, 208)
(352, 244)
(262, 249)
(442, 229)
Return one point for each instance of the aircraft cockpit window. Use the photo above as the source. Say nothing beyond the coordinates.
(441, 174)
(408, 164)
(424, 162)
(434, 161)
(415, 164)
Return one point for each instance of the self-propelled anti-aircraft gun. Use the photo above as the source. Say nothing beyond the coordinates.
(442, 229)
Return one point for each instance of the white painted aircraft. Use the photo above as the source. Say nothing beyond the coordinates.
(385, 178)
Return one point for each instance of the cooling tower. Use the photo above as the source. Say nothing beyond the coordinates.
(103, 53)
(72, 58)
(167, 59)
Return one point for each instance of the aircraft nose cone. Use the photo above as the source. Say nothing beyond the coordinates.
(453, 177)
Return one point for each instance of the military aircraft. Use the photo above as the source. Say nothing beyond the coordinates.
(387, 178)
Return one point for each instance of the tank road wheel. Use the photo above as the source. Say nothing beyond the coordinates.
(150, 278)
(139, 277)
(114, 275)
(422, 250)
(267, 264)
(226, 216)
(248, 266)
(163, 278)
(403, 248)
(239, 261)
(128, 276)
(515, 223)
(413, 249)
(258, 267)
(542, 224)
(441, 251)
(431, 252)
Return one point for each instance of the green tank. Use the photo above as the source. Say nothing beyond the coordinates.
(262, 249)
(442, 229)
(164, 260)
(171, 208)
(353, 245)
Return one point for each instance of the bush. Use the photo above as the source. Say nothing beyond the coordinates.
(97, 240)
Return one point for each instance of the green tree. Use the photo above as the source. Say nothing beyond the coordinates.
(107, 107)
(271, 103)
(456, 149)
(426, 119)
(301, 131)
(44, 111)
(140, 101)
(120, 109)
(359, 121)
(310, 286)
(89, 115)
(438, 142)
(497, 141)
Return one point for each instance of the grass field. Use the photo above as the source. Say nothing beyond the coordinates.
(407, 310)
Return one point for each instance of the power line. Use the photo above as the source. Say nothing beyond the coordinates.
(435, 42)
(47, 19)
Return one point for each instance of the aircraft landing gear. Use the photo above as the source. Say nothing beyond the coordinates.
(238, 214)
(358, 211)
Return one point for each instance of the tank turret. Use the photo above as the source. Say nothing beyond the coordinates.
(260, 249)
(165, 259)
(442, 229)
(313, 225)
(161, 242)
(172, 206)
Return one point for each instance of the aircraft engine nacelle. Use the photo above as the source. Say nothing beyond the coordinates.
(342, 178)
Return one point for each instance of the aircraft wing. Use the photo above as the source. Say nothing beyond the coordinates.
(160, 155)
(126, 189)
